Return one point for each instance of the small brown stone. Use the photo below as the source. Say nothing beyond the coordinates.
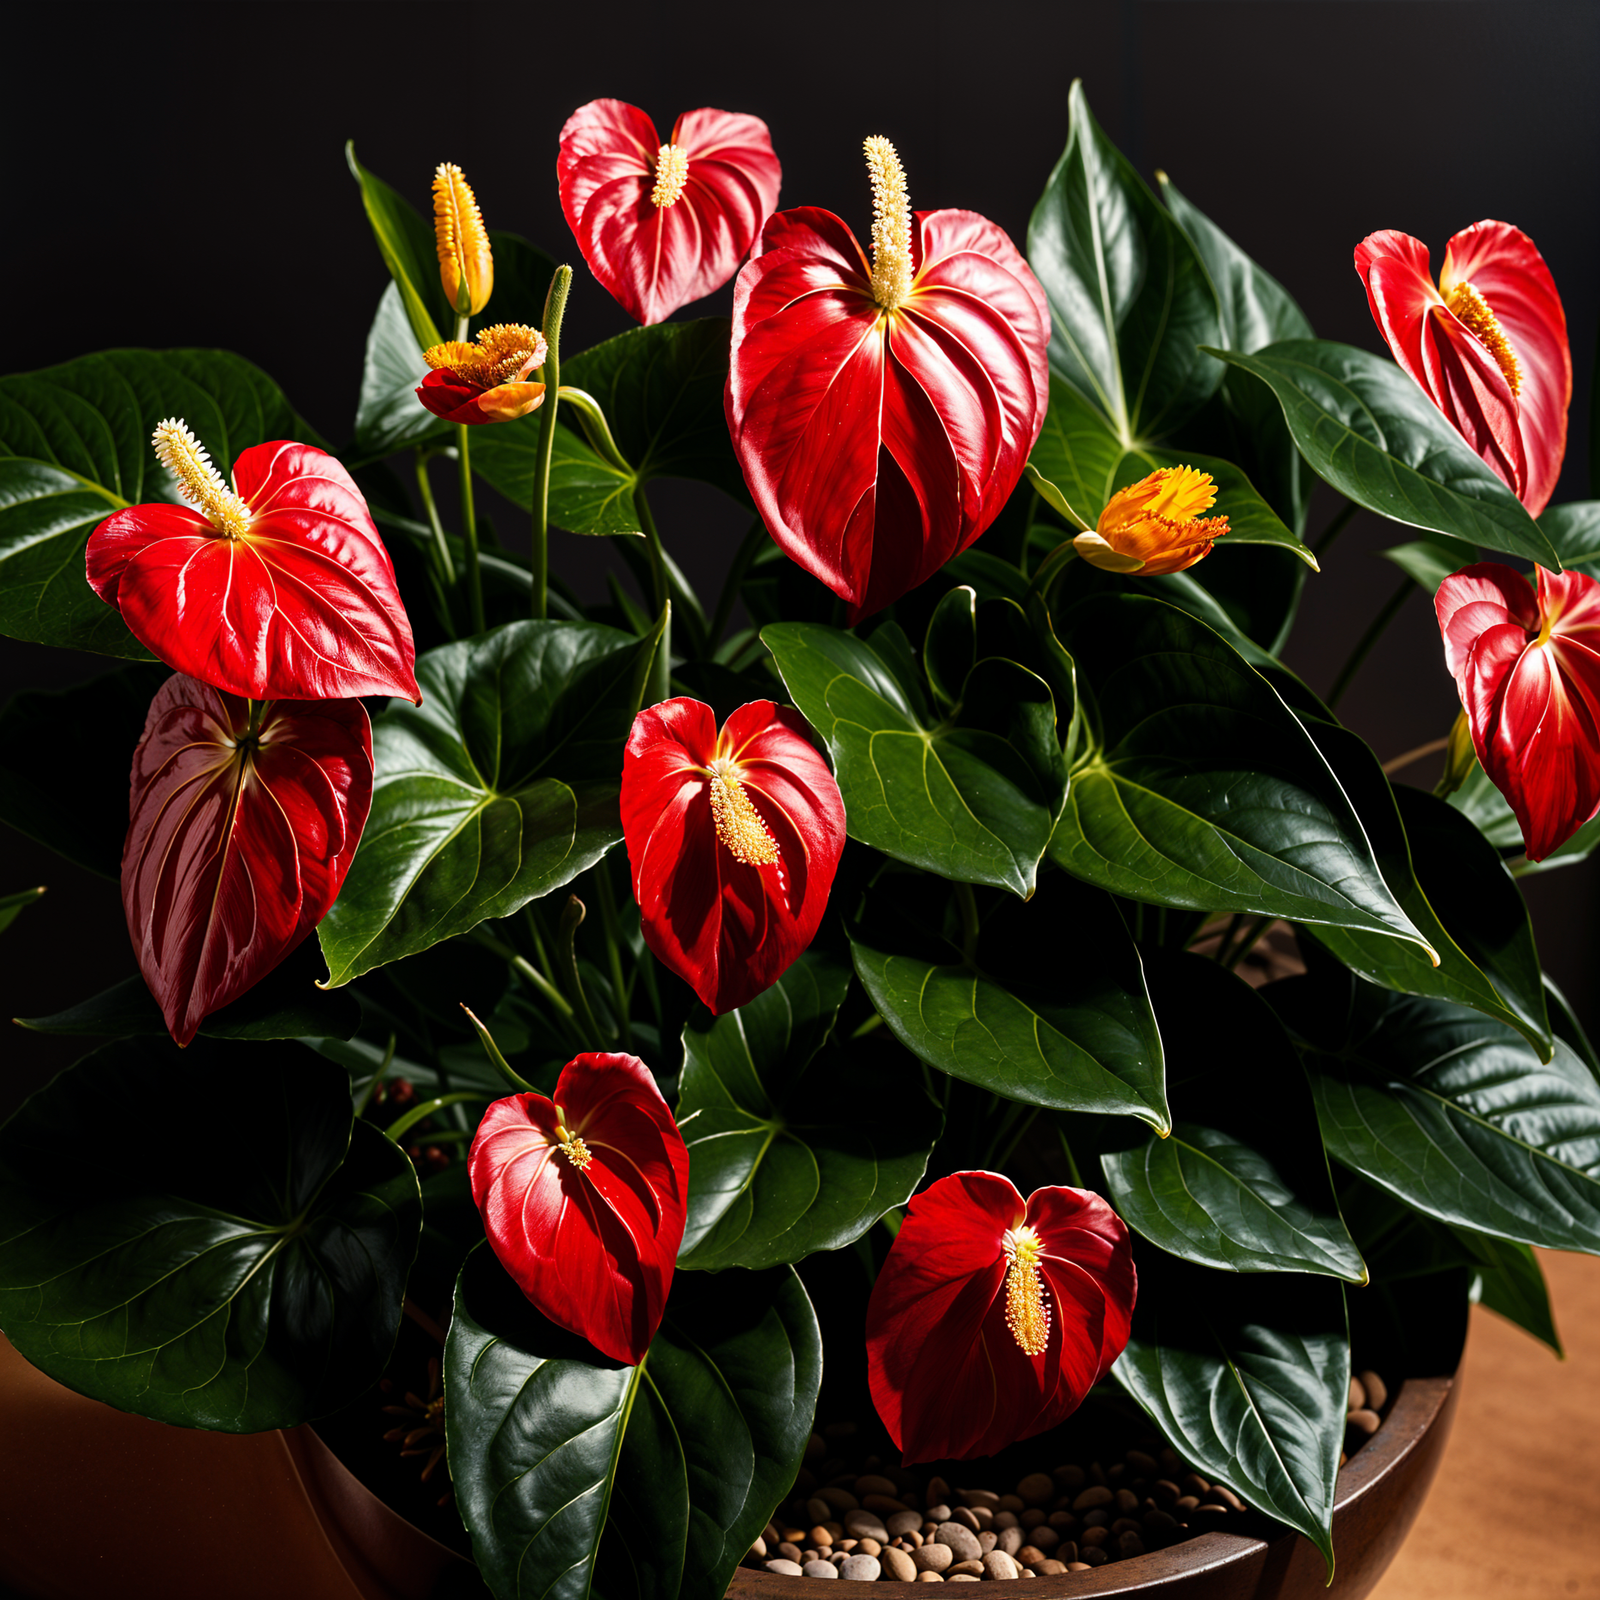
(1092, 1498)
(1014, 1502)
(1209, 1512)
(1125, 1525)
(930, 1577)
(1377, 1391)
(1127, 1501)
(1187, 1502)
(1093, 1557)
(825, 1533)
(936, 1511)
(962, 1541)
(1093, 1538)
(897, 1566)
(1060, 1520)
(1365, 1421)
(1067, 1551)
(938, 1491)
(1129, 1544)
(964, 1577)
(883, 1505)
(1098, 1518)
(958, 1569)
(818, 1510)
(793, 1534)
(985, 1517)
(758, 1548)
(1140, 1463)
(1030, 1556)
(1036, 1488)
(844, 1546)
(1032, 1517)
(932, 1557)
(1050, 1569)
(902, 1522)
(840, 1499)
(997, 1565)
(860, 1568)
(978, 1497)
(1008, 1539)
(964, 1515)
(816, 1448)
(770, 1533)
(1358, 1395)
(1193, 1483)
(1005, 1519)
(986, 1542)
(872, 1483)
(789, 1549)
(1225, 1496)
(1165, 1492)
(1044, 1538)
(1159, 1526)
(1078, 1566)
(789, 1569)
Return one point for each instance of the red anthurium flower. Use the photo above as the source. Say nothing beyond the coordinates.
(993, 1317)
(1528, 671)
(883, 412)
(488, 381)
(663, 224)
(1489, 345)
(733, 839)
(242, 824)
(278, 588)
(584, 1197)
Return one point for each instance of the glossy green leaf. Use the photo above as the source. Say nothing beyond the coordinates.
(1241, 1183)
(1051, 1010)
(1451, 884)
(13, 905)
(1201, 789)
(1370, 431)
(75, 446)
(1452, 1111)
(1427, 564)
(1574, 530)
(286, 1004)
(675, 1464)
(972, 797)
(406, 243)
(1130, 302)
(1511, 1283)
(661, 390)
(255, 1283)
(781, 1161)
(1248, 1376)
(77, 801)
(388, 414)
(499, 788)
(1487, 809)
(950, 650)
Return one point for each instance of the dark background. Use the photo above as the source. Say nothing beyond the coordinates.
(177, 177)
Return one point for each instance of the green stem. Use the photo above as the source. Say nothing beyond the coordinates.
(1072, 1164)
(1367, 640)
(659, 686)
(555, 306)
(403, 1125)
(496, 1059)
(525, 969)
(746, 553)
(571, 921)
(595, 427)
(441, 548)
(1000, 1158)
(1334, 528)
(608, 919)
(377, 1078)
(1247, 942)
(469, 529)
(968, 902)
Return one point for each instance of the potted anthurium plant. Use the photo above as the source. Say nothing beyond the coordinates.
(687, 1006)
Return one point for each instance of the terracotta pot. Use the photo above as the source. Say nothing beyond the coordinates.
(1381, 1490)
(99, 1502)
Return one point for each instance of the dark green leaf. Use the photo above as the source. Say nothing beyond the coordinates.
(1052, 1013)
(1370, 431)
(254, 1283)
(689, 1452)
(971, 798)
(1130, 302)
(76, 801)
(75, 446)
(1451, 1111)
(407, 246)
(1201, 788)
(1241, 1183)
(286, 1004)
(950, 650)
(499, 788)
(13, 905)
(781, 1161)
(1574, 529)
(1451, 884)
(1248, 1375)
(1510, 1281)
(1428, 564)
(661, 390)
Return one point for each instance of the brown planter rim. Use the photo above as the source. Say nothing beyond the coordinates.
(1375, 1479)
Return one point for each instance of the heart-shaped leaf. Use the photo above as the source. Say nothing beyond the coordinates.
(1248, 1375)
(255, 1283)
(972, 797)
(781, 1163)
(499, 788)
(661, 390)
(1201, 788)
(77, 801)
(1372, 433)
(1451, 1111)
(406, 243)
(676, 1463)
(1241, 1183)
(286, 1004)
(243, 821)
(1450, 883)
(388, 414)
(1047, 1007)
(1130, 302)
(75, 446)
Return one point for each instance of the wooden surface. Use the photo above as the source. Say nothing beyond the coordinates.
(1515, 1509)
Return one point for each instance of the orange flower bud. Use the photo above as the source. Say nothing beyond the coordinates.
(466, 266)
(1154, 526)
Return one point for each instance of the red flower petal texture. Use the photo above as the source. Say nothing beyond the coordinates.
(877, 440)
(1488, 345)
(733, 839)
(663, 224)
(584, 1198)
(460, 400)
(1528, 671)
(238, 840)
(278, 588)
(993, 1317)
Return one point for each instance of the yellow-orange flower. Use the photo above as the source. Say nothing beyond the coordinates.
(466, 267)
(1155, 526)
(487, 381)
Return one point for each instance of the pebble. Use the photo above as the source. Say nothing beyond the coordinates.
(938, 1491)
(986, 1542)
(840, 1499)
(1030, 1556)
(930, 1577)
(967, 1518)
(872, 1483)
(790, 1569)
(897, 1565)
(819, 1569)
(979, 1497)
(868, 1547)
(1377, 1391)
(963, 1577)
(1050, 1569)
(903, 1522)
(1092, 1498)
(859, 1568)
(1008, 1541)
(963, 1569)
(1004, 1519)
(884, 1504)
(865, 1524)
(1036, 1489)
(932, 1557)
(962, 1541)
(936, 1512)
(1015, 1502)
(997, 1564)
(759, 1548)
(819, 1510)
(789, 1550)
(1366, 1421)
(1225, 1496)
